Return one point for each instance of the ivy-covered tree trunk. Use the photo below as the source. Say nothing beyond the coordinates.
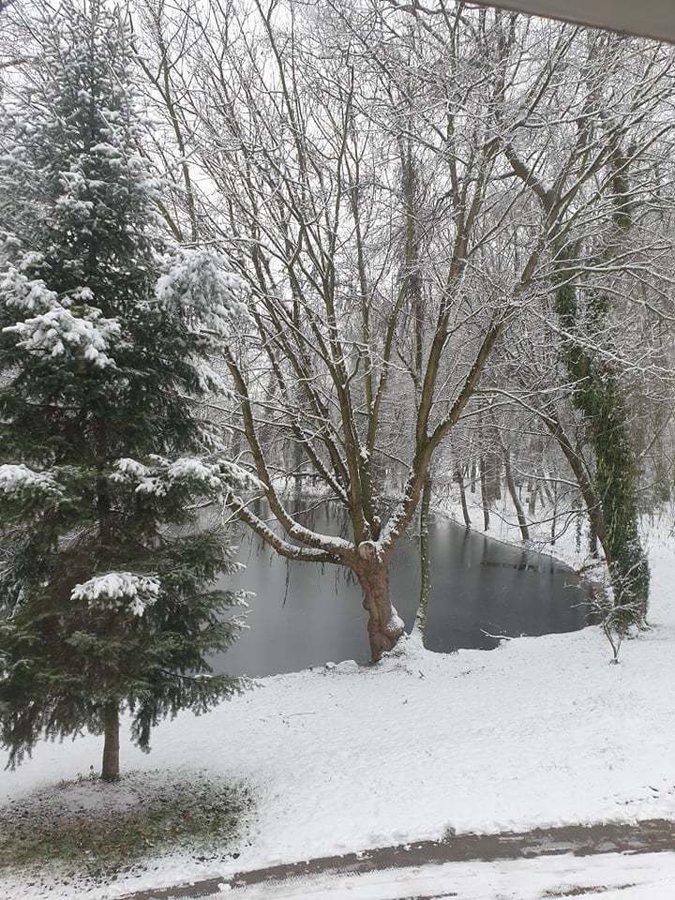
(597, 396)
(615, 477)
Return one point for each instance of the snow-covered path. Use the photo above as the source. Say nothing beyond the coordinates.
(557, 857)
(607, 877)
(542, 731)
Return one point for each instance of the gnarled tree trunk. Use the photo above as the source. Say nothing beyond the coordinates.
(384, 625)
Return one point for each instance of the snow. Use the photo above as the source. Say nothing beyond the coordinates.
(199, 285)
(211, 380)
(161, 475)
(17, 478)
(106, 150)
(131, 467)
(540, 732)
(395, 625)
(57, 332)
(190, 468)
(27, 295)
(648, 876)
(137, 591)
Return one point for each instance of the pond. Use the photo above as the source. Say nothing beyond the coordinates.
(304, 614)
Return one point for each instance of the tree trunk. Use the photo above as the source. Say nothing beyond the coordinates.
(459, 478)
(522, 521)
(588, 492)
(425, 561)
(550, 493)
(110, 770)
(297, 481)
(384, 625)
(493, 474)
(555, 513)
(592, 537)
(483, 495)
(532, 502)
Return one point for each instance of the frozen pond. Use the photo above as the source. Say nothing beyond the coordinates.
(305, 614)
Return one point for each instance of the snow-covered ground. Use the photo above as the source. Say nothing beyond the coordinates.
(542, 731)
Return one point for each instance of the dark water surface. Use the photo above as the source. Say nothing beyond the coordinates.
(305, 614)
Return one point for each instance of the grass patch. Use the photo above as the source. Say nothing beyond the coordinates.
(98, 829)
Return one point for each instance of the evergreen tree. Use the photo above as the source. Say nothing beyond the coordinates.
(105, 578)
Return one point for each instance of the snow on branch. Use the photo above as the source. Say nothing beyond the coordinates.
(198, 285)
(211, 380)
(26, 294)
(160, 476)
(119, 589)
(58, 332)
(18, 479)
(190, 469)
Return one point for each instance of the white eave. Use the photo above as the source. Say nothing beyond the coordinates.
(646, 18)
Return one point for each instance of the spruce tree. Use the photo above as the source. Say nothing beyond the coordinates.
(106, 599)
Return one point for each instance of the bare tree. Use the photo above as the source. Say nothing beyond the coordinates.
(363, 165)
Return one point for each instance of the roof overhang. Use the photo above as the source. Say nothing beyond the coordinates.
(646, 18)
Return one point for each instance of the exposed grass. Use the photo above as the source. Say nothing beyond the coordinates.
(91, 828)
